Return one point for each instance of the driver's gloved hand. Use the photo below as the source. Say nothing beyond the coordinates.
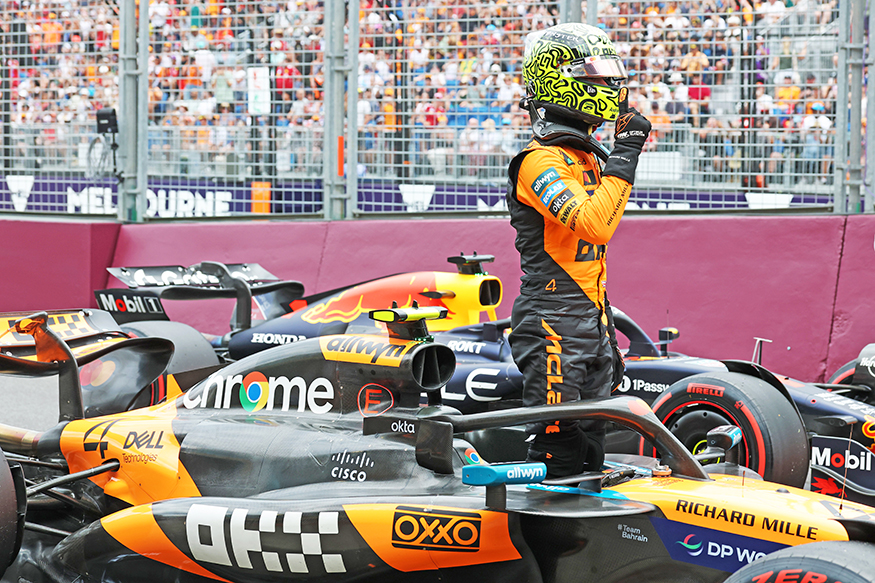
(630, 133)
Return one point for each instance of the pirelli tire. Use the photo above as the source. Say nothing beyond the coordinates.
(191, 350)
(774, 441)
(13, 509)
(823, 562)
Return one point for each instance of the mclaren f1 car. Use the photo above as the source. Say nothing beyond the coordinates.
(315, 461)
(691, 395)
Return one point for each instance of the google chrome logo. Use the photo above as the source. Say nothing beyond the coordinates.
(254, 392)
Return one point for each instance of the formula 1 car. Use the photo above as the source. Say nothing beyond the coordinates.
(691, 395)
(283, 313)
(858, 375)
(314, 461)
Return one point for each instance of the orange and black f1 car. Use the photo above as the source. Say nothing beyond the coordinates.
(314, 461)
(690, 395)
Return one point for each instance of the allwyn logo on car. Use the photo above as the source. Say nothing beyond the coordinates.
(420, 528)
(256, 392)
(364, 350)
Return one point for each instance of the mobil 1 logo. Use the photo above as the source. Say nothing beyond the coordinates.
(127, 305)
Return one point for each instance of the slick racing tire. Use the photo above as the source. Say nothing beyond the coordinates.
(774, 441)
(192, 350)
(13, 508)
(823, 562)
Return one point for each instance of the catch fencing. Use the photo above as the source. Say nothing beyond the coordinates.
(237, 108)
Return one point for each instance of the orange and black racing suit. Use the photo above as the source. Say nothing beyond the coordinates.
(562, 338)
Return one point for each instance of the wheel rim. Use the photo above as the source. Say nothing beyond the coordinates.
(691, 427)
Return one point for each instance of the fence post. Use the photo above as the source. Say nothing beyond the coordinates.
(592, 12)
(129, 126)
(352, 151)
(566, 10)
(869, 190)
(334, 199)
(841, 121)
(855, 61)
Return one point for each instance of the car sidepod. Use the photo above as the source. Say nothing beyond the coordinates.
(233, 539)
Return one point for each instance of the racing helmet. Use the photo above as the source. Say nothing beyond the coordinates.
(572, 70)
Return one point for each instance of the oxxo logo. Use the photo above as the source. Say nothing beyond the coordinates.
(419, 528)
(257, 392)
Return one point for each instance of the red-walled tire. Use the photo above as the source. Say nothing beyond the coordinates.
(774, 441)
(824, 562)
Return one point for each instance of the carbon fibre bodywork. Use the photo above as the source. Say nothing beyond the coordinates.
(315, 461)
(839, 418)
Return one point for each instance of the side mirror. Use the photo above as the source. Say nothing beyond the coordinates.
(666, 336)
(722, 445)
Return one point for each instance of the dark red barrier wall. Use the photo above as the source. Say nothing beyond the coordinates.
(803, 282)
(54, 264)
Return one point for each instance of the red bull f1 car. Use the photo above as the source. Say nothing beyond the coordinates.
(314, 461)
(691, 395)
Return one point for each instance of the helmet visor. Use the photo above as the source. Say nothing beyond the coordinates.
(609, 66)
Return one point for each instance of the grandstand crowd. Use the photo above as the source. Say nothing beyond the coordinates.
(438, 78)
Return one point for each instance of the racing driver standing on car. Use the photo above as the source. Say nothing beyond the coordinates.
(565, 209)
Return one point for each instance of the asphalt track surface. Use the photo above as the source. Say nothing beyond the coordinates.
(29, 403)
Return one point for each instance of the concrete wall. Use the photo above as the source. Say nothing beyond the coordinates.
(803, 282)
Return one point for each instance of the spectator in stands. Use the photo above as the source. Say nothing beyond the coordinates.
(699, 100)
(788, 95)
(470, 141)
(695, 61)
(660, 132)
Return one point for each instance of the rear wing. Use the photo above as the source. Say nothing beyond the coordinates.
(148, 286)
(75, 327)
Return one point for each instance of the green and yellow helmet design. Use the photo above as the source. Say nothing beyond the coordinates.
(573, 70)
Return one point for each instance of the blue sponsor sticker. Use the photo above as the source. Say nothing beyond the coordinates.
(710, 548)
(552, 191)
(544, 180)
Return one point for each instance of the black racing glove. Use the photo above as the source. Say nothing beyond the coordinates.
(631, 132)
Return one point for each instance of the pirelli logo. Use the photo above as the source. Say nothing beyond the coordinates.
(435, 530)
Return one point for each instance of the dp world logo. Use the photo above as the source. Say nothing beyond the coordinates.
(693, 548)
